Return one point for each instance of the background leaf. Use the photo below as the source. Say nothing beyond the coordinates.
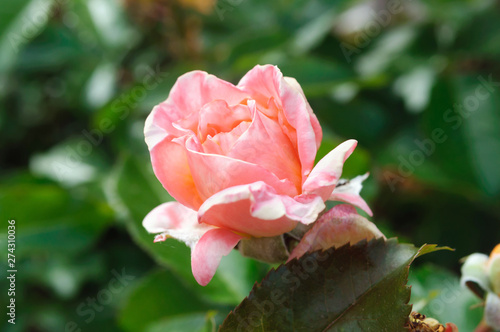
(149, 303)
(437, 293)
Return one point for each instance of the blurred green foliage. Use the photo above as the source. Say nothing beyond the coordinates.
(415, 82)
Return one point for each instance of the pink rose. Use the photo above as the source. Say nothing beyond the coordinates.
(239, 161)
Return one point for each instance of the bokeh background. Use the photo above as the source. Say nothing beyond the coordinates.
(417, 83)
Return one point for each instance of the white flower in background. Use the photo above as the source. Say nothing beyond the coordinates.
(481, 274)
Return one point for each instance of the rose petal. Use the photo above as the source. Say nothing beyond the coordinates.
(262, 83)
(175, 220)
(213, 173)
(340, 225)
(207, 253)
(208, 244)
(218, 117)
(300, 116)
(266, 85)
(222, 143)
(171, 167)
(189, 94)
(265, 144)
(256, 209)
(327, 172)
(349, 193)
(153, 133)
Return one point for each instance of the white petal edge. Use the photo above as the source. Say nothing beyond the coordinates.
(474, 269)
(174, 220)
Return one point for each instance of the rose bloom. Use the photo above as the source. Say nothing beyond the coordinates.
(239, 161)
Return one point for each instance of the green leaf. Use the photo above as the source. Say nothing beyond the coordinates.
(464, 110)
(21, 21)
(352, 288)
(480, 37)
(312, 33)
(134, 191)
(199, 322)
(481, 128)
(51, 219)
(159, 296)
(437, 293)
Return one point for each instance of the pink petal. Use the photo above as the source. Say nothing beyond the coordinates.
(335, 228)
(217, 116)
(153, 133)
(189, 94)
(327, 172)
(207, 253)
(175, 220)
(222, 143)
(349, 193)
(265, 144)
(256, 209)
(353, 199)
(262, 83)
(171, 167)
(212, 173)
(267, 85)
(309, 208)
(300, 116)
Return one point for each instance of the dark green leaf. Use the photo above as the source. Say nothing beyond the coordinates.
(352, 288)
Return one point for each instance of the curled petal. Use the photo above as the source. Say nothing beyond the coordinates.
(189, 94)
(349, 193)
(193, 90)
(171, 167)
(208, 251)
(256, 209)
(208, 244)
(218, 117)
(300, 116)
(175, 220)
(254, 146)
(222, 143)
(308, 209)
(266, 85)
(474, 274)
(153, 132)
(327, 172)
(340, 225)
(262, 83)
(160, 238)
